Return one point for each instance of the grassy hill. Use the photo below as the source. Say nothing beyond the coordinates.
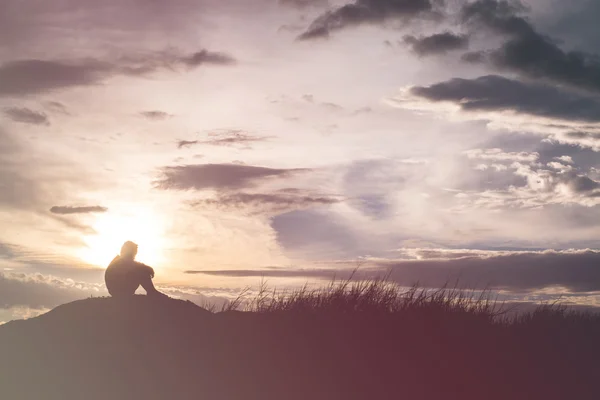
(359, 341)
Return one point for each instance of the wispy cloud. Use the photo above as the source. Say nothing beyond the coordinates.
(266, 203)
(155, 115)
(219, 176)
(66, 210)
(207, 57)
(26, 77)
(227, 138)
(26, 116)
(302, 4)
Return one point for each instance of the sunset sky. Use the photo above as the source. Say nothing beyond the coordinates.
(293, 140)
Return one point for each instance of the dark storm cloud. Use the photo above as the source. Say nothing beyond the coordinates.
(218, 176)
(67, 210)
(366, 12)
(517, 271)
(25, 77)
(527, 51)
(267, 203)
(155, 115)
(438, 43)
(496, 93)
(26, 116)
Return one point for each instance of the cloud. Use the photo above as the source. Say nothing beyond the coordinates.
(32, 180)
(366, 12)
(56, 107)
(550, 181)
(32, 76)
(227, 138)
(207, 57)
(565, 159)
(515, 271)
(439, 43)
(26, 77)
(155, 115)
(266, 203)
(496, 93)
(186, 143)
(326, 105)
(527, 51)
(75, 225)
(26, 116)
(318, 234)
(304, 3)
(500, 156)
(543, 187)
(559, 166)
(66, 210)
(570, 117)
(218, 176)
(474, 57)
(42, 291)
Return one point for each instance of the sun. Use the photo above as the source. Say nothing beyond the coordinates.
(140, 225)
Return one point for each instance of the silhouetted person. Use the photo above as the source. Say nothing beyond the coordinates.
(124, 275)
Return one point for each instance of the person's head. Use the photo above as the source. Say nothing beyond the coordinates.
(129, 250)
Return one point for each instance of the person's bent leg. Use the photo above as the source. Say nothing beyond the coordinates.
(148, 286)
(146, 282)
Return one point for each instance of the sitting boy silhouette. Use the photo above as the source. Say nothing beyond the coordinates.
(124, 275)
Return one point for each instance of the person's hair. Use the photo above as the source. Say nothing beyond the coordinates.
(129, 249)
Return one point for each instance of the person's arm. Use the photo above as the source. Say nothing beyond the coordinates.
(146, 268)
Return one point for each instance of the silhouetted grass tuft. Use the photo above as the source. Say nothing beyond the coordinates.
(383, 298)
(376, 296)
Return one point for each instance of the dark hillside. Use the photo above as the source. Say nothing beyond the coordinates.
(346, 349)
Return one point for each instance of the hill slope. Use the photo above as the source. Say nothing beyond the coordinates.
(102, 348)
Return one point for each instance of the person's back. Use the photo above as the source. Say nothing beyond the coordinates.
(124, 275)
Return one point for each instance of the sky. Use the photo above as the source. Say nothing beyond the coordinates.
(294, 140)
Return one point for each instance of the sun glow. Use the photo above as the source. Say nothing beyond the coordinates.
(142, 226)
